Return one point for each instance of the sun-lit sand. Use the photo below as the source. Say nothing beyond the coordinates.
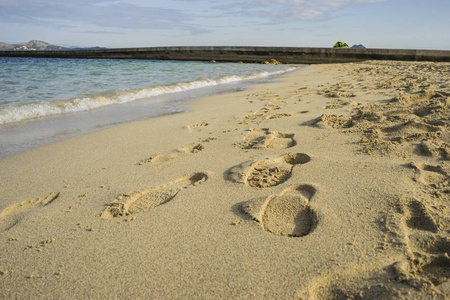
(330, 183)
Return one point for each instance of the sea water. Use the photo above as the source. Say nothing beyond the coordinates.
(46, 99)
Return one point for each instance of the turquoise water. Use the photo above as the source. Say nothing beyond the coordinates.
(46, 100)
(38, 87)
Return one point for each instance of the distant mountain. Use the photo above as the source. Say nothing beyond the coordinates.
(86, 48)
(358, 46)
(30, 46)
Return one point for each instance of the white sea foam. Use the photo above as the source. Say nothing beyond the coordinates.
(11, 114)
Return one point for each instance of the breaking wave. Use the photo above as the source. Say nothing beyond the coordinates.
(17, 113)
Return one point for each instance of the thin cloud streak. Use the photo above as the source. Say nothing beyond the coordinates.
(110, 14)
(289, 10)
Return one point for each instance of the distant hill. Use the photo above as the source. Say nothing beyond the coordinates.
(5, 46)
(30, 46)
(86, 48)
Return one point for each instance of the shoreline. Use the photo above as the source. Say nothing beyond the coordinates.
(332, 180)
(31, 133)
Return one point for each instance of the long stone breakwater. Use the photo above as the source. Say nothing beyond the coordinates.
(287, 55)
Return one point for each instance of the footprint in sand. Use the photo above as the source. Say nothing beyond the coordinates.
(437, 149)
(379, 282)
(24, 206)
(411, 131)
(410, 128)
(267, 173)
(422, 272)
(423, 235)
(277, 116)
(430, 260)
(430, 243)
(145, 199)
(337, 91)
(411, 98)
(282, 115)
(274, 105)
(332, 121)
(337, 103)
(197, 127)
(417, 216)
(263, 138)
(427, 247)
(174, 154)
(287, 214)
(434, 176)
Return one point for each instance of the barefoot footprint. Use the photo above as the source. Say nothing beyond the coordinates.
(287, 214)
(145, 199)
(267, 173)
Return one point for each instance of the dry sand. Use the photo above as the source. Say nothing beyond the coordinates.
(331, 183)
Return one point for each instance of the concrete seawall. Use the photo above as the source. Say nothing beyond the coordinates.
(291, 55)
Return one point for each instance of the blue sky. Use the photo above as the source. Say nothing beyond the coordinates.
(407, 24)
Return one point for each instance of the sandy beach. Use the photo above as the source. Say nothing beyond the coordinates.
(332, 182)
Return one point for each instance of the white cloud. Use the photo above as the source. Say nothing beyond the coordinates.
(182, 15)
(107, 14)
(289, 10)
